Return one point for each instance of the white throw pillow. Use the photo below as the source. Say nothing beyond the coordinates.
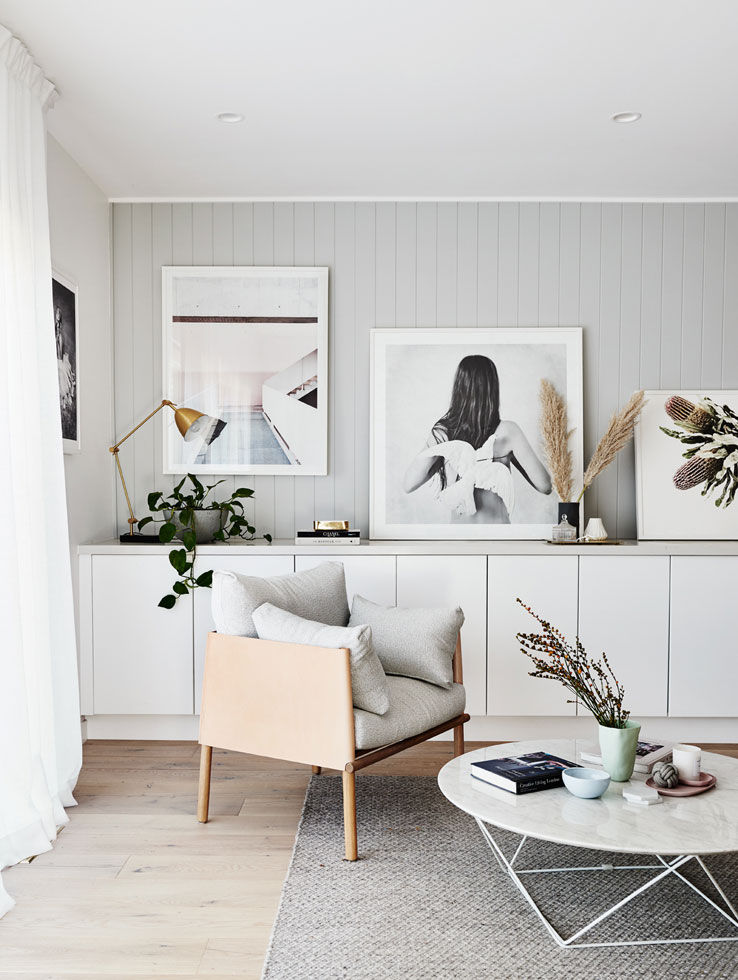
(368, 682)
(414, 642)
(319, 593)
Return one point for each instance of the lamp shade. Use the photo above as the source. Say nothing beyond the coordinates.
(196, 425)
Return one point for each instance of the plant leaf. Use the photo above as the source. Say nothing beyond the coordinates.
(205, 580)
(167, 532)
(243, 492)
(180, 588)
(267, 537)
(168, 601)
(189, 540)
(144, 521)
(178, 560)
(153, 499)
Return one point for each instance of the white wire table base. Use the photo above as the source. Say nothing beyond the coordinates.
(665, 868)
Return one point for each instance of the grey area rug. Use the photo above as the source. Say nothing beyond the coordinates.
(427, 900)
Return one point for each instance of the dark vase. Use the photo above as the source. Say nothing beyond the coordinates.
(570, 511)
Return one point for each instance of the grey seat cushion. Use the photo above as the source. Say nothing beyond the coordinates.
(317, 593)
(368, 681)
(416, 642)
(414, 707)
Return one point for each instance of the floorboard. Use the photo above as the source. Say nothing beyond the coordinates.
(135, 888)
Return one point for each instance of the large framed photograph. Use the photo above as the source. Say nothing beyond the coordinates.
(686, 445)
(456, 447)
(247, 349)
(64, 297)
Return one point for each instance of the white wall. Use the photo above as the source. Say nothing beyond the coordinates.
(79, 218)
(655, 287)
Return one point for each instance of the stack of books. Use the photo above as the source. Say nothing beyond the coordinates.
(329, 532)
(647, 755)
(522, 773)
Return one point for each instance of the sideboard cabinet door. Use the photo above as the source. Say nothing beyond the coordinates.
(703, 662)
(624, 611)
(549, 585)
(453, 580)
(142, 654)
(259, 565)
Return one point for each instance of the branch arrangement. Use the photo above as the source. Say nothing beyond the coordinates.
(555, 433)
(710, 431)
(619, 432)
(590, 681)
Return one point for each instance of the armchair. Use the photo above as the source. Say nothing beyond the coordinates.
(294, 702)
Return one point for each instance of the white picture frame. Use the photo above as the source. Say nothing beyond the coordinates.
(247, 345)
(410, 392)
(664, 512)
(65, 307)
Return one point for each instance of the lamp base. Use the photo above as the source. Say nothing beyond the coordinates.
(138, 539)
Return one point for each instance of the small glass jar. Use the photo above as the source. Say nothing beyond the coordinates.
(563, 533)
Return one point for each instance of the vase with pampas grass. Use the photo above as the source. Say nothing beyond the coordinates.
(555, 433)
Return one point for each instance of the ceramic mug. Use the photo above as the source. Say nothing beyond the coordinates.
(687, 759)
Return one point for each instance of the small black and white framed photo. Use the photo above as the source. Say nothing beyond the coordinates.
(66, 331)
(456, 444)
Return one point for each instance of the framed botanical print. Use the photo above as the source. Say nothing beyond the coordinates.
(64, 297)
(247, 348)
(686, 446)
(456, 448)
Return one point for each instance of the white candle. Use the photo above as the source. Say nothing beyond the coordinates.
(687, 759)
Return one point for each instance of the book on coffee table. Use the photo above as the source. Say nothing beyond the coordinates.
(522, 773)
(647, 755)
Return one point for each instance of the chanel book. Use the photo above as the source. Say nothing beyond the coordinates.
(522, 773)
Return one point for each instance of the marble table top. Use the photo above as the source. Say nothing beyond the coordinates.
(704, 824)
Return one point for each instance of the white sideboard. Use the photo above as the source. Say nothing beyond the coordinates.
(661, 611)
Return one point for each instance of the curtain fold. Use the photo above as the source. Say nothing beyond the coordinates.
(40, 741)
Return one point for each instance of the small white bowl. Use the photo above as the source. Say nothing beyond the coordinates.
(587, 784)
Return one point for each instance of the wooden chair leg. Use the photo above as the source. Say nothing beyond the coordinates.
(317, 770)
(458, 740)
(203, 792)
(349, 815)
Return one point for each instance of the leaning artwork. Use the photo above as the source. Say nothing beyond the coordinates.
(456, 444)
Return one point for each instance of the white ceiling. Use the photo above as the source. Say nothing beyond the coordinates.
(393, 98)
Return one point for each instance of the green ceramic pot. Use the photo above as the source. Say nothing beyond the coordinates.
(618, 747)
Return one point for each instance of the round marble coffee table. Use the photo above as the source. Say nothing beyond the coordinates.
(687, 827)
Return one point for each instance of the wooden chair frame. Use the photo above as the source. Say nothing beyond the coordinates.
(293, 702)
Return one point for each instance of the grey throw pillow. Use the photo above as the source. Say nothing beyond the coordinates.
(368, 682)
(416, 643)
(318, 593)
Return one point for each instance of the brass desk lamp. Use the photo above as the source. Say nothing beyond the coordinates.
(191, 424)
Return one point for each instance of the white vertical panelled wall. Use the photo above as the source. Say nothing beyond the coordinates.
(655, 287)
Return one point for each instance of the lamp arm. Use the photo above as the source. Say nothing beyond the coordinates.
(114, 450)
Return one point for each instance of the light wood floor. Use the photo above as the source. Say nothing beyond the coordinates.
(135, 887)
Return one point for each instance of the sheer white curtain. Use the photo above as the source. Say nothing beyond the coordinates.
(40, 745)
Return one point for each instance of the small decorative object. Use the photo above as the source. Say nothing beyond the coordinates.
(248, 345)
(687, 465)
(595, 530)
(64, 296)
(665, 774)
(563, 532)
(437, 469)
(588, 784)
(555, 434)
(617, 435)
(593, 685)
(331, 525)
(642, 795)
(688, 761)
(189, 516)
(707, 781)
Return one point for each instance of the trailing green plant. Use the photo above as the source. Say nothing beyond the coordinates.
(590, 681)
(184, 505)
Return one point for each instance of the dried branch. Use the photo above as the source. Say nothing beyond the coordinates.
(618, 434)
(555, 433)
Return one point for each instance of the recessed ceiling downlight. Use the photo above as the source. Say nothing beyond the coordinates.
(229, 117)
(626, 117)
